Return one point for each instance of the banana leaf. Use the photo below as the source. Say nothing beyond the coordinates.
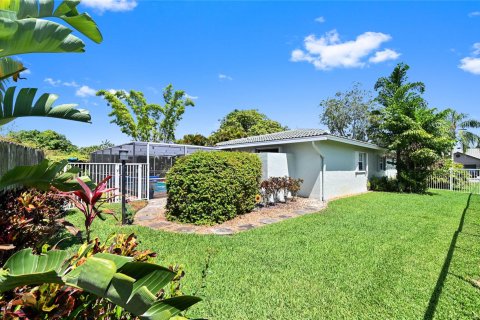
(117, 278)
(10, 68)
(43, 176)
(67, 11)
(23, 105)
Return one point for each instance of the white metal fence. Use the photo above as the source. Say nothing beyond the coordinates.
(460, 180)
(136, 185)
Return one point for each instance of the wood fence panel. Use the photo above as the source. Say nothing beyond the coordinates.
(12, 155)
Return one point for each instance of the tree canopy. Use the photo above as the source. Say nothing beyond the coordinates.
(347, 114)
(418, 135)
(460, 123)
(45, 140)
(144, 121)
(196, 139)
(245, 123)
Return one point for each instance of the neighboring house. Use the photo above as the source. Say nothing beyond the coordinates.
(470, 159)
(330, 166)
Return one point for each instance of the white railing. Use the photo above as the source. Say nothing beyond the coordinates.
(459, 180)
(136, 184)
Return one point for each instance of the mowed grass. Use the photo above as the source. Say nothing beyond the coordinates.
(373, 256)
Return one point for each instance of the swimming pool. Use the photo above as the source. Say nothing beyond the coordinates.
(159, 184)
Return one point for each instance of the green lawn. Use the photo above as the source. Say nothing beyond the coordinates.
(374, 256)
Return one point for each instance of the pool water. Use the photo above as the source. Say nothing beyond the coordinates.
(159, 186)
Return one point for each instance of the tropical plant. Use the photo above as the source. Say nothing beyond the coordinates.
(348, 113)
(133, 286)
(244, 123)
(29, 219)
(273, 187)
(22, 21)
(143, 121)
(89, 202)
(294, 186)
(459, 125)
(418, 135)
(43, 176)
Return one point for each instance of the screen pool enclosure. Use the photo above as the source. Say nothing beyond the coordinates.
(152, 159)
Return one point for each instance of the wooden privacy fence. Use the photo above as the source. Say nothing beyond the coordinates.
(459, 180)
(12, 155)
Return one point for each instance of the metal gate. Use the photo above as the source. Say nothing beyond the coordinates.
(136, 186)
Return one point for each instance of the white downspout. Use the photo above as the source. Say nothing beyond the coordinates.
(324, 168)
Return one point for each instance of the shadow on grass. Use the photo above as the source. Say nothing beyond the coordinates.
(437, 291)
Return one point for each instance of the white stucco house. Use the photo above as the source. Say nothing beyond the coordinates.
(330, 166)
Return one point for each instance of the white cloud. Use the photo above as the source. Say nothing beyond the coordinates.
(190, 97)
(222, 76)
(52, 82)
(472, 64)
(320, 20)
(113, 91)
(85, 91)
(474, 14)
(384, 55)
(111, 5)
(71, 84)
(328, 52)
(26, 72)
(476, 48)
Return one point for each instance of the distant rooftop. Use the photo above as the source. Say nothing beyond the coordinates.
(473, 152)
(278, 136)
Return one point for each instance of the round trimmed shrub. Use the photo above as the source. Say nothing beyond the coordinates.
(212, 187)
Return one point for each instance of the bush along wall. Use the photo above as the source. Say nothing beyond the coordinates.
(212, 187)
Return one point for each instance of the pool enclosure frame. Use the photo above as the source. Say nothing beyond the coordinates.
(158, 157)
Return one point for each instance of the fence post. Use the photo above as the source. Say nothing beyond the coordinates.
(451, 178)
(139, 177)
(117, 179)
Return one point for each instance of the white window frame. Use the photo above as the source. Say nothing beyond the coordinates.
(364, 156)
(382, 163)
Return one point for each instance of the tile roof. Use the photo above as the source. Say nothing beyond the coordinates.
(278, 136)
(474, 153)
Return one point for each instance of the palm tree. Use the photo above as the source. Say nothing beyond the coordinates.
(23, 30)
(459, 125)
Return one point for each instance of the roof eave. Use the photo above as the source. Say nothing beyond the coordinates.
(298, 140)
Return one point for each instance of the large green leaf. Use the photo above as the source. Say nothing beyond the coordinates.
(38, 35)
(42, 176)
(126, 283)
(25, 268)
(67, 11)
(23, 105)
(9, 68)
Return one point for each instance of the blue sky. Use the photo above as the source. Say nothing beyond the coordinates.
(282, 58)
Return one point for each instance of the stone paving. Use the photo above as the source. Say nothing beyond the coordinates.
(153, 216)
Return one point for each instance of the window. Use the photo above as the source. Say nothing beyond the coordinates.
(382, 163)
(362, 161)
(268, 150)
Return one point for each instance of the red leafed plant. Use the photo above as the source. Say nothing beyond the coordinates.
(89, 201)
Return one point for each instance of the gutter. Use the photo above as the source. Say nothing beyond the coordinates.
(324, 167)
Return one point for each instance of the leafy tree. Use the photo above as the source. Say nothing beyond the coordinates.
(45, 140)
(418, 135)
(23, 21)
(348, 113)
(245, 123)
(196, 139)
(459, 125)
(143, 121)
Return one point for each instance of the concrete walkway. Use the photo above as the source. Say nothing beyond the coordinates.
(153, 216)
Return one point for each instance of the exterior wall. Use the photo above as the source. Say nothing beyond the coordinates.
(274, 165)
(466, 160)
(341, 175)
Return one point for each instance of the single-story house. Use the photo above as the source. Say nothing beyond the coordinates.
(331, 166)
(470, 159)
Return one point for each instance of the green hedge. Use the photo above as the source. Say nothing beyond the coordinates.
(212, 187)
